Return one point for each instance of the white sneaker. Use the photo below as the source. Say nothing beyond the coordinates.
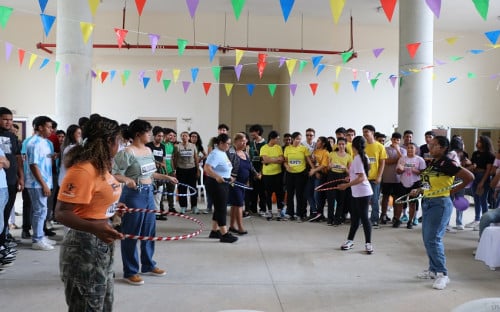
(426, 275)
(472, 224)
(369, 248)
(476, 228)
(441, 281)
(347, 245)
(460, 227)
(41, 245)
(49, 241)
(449, 229)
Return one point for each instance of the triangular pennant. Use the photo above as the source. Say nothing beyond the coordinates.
(435, 6)
(8, 50)
(354, 74)
(145, 81)
(337, 72)
(126, 74)
(58, 65)
(337, 6)
(393, 80)
(153, 39)
(185, 85)
(194, 73)
(239, 55)
(451, 40)
(159, 74)
(47, 22)
(286, 8)
(439, 62)
(261, 57)
(20, 54)
(166, 84)
(282, 61)
(86, 29)
(471, 75)
(355, 84)
(141, 75)
(237, 7)
(192, 6)
(373, 82)
(321, 67)
(377, 52)
(476, 51)
(293, 88)
(216, 72)
(212, 49)
(261, 66)
(67, 69)
(206, 87)
(175, 73)
(140, 6)
(456, 58)
(120, 36)
(336, 86)
(302, 64)
(228, 87)
(44, 63)
(33, 58)
(124, 80)
(314, 87)
(451, 79)
(346, 56)
(104, 75)
(250, 88)
(316, 60)
(388, 7)
(181, 44)
(272, 88)
(412, 48)
(493, 36)
(93, 5)
(5, 13)
(237, 71)
(112, 75)
(482, 7)
(43, 5)
(93, 74)
(290, 64)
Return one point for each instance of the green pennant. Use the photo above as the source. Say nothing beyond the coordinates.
(181, 44)
(166, 84)
(272, 88)
(126, 74)
(482, 7)
(302, 64)
(373, 82)
(346, 56)
(471, 75)
(58, 65)
(216, 72)
(5, 13)
(456, 58)
(237, 7)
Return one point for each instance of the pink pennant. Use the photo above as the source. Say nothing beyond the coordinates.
(120, 36)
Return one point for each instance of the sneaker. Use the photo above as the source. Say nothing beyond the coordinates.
(476, 228)
(396, 223)
(25, 234)
(135, 280)
(183, 210)
(426, 275)
(49, 225)
(460, 227)
(384, 219)
(315, 217)
(441, 281)
(449, 229)
(214, 234)
(262, 213)
(375, 225)
(49, 232)
(228, 238)
(49, 241)
(415, 221)
(195, 210)
(409, 225)
(369, 248)
(404, 218)
(161, 218)
(269, 215)
(41, 245)
(347, 245)
(156, 272)
(472, 224)
(246, 215)
(206, 211)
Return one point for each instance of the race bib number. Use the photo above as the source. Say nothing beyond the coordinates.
(372, 160)
(148, 168)
(157, 153)
(295, 162)
(186, 153)
(111, 210)
(167, 157)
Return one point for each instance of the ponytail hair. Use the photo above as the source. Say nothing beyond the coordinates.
(443, 142)
(359, 144)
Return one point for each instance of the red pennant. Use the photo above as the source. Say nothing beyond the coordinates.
(261, 66)
(206, 87)
(314, 87)
(21, 53)
(120, 36)
(159, 73)
(140, 6)
(104, 75)
(412, 48)
(388, 6)
(262, 57)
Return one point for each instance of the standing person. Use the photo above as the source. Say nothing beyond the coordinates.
(424, 148)
(297, 157)
(38, 179)
(135, 166)
(437, 207)
(318, 174)
(258, 194)
(272, 176)
(377, 156)
(170, 137)
(460, 157)
(7, 254)
(361, 195)
(241, 172)
(186, 164)
(194, 137)
(482, 160)
(218, 168)
(88, 198)
(340, 162)
(310, 143)
(158, 149)
(221, 128)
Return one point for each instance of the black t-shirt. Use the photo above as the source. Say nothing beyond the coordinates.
(482, 159)
(11, 147)
(158, 152)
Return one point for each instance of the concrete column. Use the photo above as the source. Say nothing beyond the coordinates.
(416, 24)
(73, 88)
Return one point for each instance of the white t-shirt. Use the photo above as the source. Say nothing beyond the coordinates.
(361, 189)
(408, 177)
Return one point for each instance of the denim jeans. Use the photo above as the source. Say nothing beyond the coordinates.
(310, 198)
(38, 212)
(374, 202)
(4, 197)
(138, 223)
(480, 201)
(492, 216)
(436, 213)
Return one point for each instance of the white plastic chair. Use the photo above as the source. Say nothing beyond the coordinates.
(200, 187)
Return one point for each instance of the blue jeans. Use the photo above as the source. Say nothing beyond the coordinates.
(374, 201)
(480, 201)
(138, 223)
(311, 199)
(4, 197)
(492, 216)
(436, 213)
(38, 213)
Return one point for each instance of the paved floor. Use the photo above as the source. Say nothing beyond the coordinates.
(278, 266)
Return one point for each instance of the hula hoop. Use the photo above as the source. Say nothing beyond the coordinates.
(191, 191)
(322, 187)
(239, 184)
(402, 200)
(163, 238)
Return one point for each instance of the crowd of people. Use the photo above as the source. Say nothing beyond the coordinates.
(84, 176)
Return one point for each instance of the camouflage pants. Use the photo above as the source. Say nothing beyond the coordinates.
(86, 268)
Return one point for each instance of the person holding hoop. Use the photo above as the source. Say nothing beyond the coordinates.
(87, 199)
(437, 180)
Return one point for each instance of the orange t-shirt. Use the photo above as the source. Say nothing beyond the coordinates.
(94, 197)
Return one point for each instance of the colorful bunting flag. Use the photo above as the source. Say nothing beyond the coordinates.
(493, 36)
(346, 56)
(212, 49)
(261, 66)
(337, 72)
(373, 82)
(290, 65)
(104, 75)
(435, 6)
(393, 80)
(153, 39)
(412, 48)
(175, 73)
(192, 6)
(185, 86)
(86, 29)
(476, 51)
(272, 88)
(250, 88)
(20, 54)
(336, 87)
(456, 58)
(33, 58)
(166, 84)
(237, 7)
(388, 7)
(239, 55)
(337, 6)
(58, 65)
(316, 60)
(8, 50)
(451, 79)
(471, 75)
(112, 74)
(216, 72)
(321, 67)
(140, 6)
(206, 87)
(44, 63)
(314, 87)
(228, 87)
(302, 64)
(286, 8)
(159, 74)
(482, 7)
(194, 73)
(145, 81)
(43, 5)
(47, 22)
(377, 52)
(282, 61)
(181, 44)
(451, 40)
(355, 84)
(293, 88)
(5, 13)
(237, 71)
(93, 4)
(120, 36)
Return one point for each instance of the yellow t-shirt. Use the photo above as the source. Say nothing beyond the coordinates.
(438, 176)
(321, 159)
(374, 152)
(340, 163)
(296, 157)
(271, 151)
(348, 148)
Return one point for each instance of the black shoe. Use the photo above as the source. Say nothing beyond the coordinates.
(233, 230)
(315, 217)
(161, 218)
(49, 232)
(409, 225)
(420, 220)
(172, 210)
(25, 234)
(396, 223)
(228, 238)
(242, 232)
(214, 234)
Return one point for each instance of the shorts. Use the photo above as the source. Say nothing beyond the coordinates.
(392, 189)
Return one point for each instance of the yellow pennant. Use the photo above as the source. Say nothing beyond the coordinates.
(290, 64)
(176, 73)
(32, 60)
(93, 4)
(337, 6)
(452, 40)
(87, 29)
(239, 55)
(229, 87)
(336, 86)
(337, 71)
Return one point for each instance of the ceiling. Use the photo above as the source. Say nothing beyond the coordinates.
(456, 15)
